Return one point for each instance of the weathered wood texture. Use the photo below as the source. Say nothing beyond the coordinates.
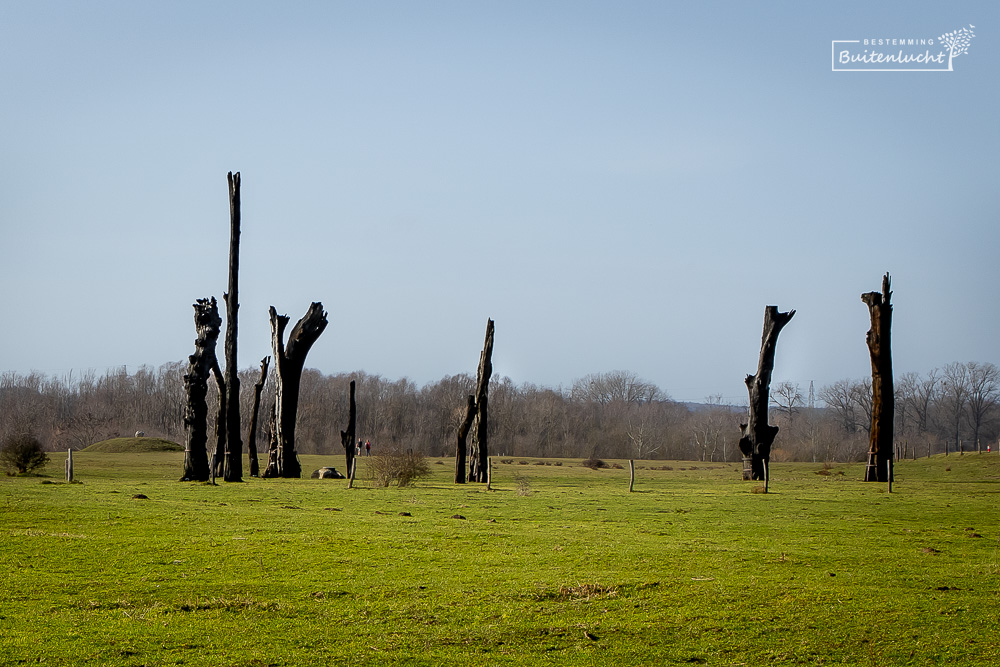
(218, 456)
(479, 449)
(207, 323)
(756, 436)
(461, 447)
(289, 359)
(347, 438)
(879, 339)
(233, 467)
(258, 389)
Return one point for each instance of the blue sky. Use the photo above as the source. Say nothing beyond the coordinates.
(618, 185)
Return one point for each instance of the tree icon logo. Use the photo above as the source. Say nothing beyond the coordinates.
(957, 42)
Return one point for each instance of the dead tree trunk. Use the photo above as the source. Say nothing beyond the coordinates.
(462, 447)
(756, 436)
(289, 360)
(258, 389)
(480, 425)
(272, 445)
(218, 456)
(207, 323)
(233, 468)
(883, 402)
(347, 437)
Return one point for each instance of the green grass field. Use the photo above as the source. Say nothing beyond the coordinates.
(558, 565)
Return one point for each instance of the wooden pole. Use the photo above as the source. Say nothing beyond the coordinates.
(233, 453)
(489, 473)
(631, 475)
(69, 465)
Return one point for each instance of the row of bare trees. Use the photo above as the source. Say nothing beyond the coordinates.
(950, 407)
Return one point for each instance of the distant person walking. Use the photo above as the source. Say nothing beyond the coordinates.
(368, 447)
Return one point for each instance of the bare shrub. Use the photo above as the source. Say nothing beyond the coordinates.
(594, 464)
(395, 465)
(523, 485)
(22, 453)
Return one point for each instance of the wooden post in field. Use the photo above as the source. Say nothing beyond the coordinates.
(889, 475)
(489, 473)
(631, 475)
(347, 437)
(69, 465)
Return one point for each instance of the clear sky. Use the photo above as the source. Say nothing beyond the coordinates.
(619, 185)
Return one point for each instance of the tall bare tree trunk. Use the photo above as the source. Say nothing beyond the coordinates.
(480, 426)
(218, 456)
(347, 438)
(258, 389)
(883, 401)
(289, 360)
(756, 436)
(233, 469)
(207, 323)
(461, 447)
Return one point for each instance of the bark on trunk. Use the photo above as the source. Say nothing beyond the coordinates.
(883, 402)
(756, 436)
(218, 456)
(272, 444)
(480, 425)
(258, 389)
(233, 468)
(289, 360)
(462, 447)
(347, 437)
(207, 323)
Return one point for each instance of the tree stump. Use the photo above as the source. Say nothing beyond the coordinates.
(207, 323)
(347, 437)
(756, 436)
(461, 447)
(258, 389)
(289, 360)
(479, 450)
(879, 340)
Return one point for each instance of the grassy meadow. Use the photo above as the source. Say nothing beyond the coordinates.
(557, 565)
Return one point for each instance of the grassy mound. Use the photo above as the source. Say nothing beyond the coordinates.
(137, 445)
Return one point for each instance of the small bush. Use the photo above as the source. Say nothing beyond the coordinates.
(22, 454)
(506, 461)
(401, 467)
(594, 464)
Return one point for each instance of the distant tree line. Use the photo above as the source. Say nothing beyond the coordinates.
(605, 415)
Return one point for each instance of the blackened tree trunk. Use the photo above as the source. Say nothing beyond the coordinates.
(883, 402)
(233, 469)
(289, 360)
(207, 323)
(347, 437)
(258, 389)
(479, 456)
(756, 436)
(461, 448)
(218, 457)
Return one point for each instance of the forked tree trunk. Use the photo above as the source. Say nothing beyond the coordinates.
(258, 389)
(289, 359)
(207, 323)
(880, 437)
(233, 468)
(756, 436)
(347, 437)
(461, 448)
(480, 425)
